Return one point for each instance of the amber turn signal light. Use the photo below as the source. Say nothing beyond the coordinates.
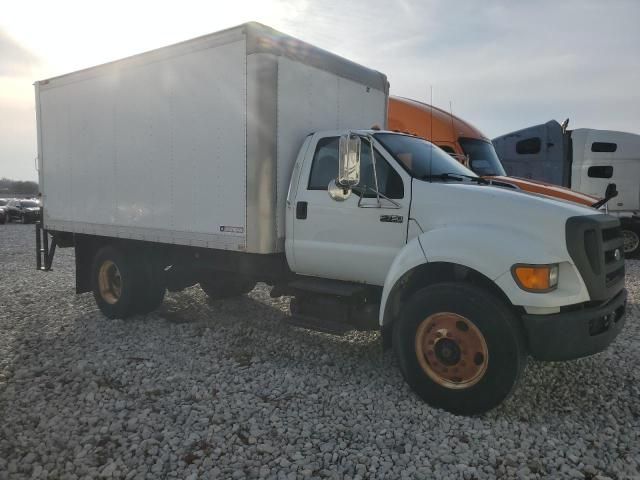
(536, 278)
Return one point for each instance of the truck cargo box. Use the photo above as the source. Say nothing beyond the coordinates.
(194, 143)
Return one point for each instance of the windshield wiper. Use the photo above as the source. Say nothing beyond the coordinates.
(456, 176)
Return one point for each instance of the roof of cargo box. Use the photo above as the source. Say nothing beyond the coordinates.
(259, 39)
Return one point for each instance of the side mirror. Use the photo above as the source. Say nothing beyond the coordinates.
(349, 161)
(611, 191)
(337, 192)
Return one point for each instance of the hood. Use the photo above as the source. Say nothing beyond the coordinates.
(435, 205)
(547, 189)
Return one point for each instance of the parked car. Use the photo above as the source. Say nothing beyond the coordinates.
(24, 211)
(3, 211)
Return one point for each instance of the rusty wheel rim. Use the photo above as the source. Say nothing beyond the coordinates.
(109, 282)
(451, 350)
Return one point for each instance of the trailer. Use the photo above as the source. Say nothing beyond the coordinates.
(586, 160)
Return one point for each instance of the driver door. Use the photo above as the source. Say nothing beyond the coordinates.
(356, 239)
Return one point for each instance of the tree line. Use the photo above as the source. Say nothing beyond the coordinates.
(17, 187)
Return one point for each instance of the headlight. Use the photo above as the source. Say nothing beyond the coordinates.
(536, 278)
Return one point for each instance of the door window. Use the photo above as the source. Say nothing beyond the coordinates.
(389, 181)
(324, 169)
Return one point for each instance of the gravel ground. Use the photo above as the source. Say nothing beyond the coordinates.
(229, 390)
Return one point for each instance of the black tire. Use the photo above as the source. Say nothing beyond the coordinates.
(631, 235)
(219, 285)
(125, 303)
(153, 286)
(3, 220)
(497, 324)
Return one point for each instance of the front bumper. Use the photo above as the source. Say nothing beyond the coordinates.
(575, 334)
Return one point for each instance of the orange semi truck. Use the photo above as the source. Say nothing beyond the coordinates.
(466, 143)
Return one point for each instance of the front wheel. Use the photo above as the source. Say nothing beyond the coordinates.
(459, 347)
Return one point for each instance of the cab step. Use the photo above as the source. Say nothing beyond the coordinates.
(325, 286)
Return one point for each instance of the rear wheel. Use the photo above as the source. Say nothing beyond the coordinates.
(459, 347)
(116, 282)
(153, 287)
(631, 236)
(226, 284)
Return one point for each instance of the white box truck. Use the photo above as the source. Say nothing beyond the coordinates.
(248, 156)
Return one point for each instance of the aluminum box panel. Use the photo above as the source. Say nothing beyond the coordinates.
(152, 146)
(194, 143)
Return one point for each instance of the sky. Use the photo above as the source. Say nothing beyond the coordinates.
(503, 65)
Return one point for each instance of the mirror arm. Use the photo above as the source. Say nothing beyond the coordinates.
(375, 170)
(379, 195)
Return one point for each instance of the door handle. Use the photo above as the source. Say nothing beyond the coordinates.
(301, 210)
(391, 218)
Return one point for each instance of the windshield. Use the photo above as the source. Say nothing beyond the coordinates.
(420, 158)
(2, 202)
(28, 204)
(483, 159)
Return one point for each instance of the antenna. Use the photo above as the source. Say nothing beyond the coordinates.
(465, 161)
(431, 133)
(453, 130)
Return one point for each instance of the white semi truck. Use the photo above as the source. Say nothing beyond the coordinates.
(246, 156)
(586, 160)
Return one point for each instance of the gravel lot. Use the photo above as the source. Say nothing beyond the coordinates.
(229, 390)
